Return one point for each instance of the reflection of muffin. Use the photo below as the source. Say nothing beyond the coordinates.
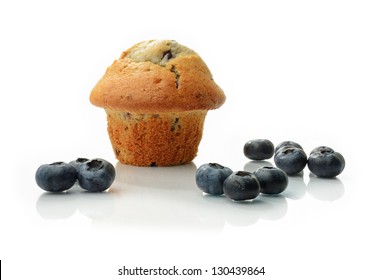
(156, 96)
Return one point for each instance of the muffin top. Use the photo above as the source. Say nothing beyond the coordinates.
(157, 76)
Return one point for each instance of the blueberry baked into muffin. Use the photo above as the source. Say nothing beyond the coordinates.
(156, 97)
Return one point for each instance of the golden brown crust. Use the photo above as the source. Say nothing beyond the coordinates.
(157, 76)
(155, 139)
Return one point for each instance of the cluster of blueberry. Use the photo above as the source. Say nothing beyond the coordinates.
(94, 175)
(215, 179)
(290, 159)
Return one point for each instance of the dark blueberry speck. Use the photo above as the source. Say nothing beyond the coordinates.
(167, 55)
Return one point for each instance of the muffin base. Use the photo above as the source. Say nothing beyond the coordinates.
(164, 139)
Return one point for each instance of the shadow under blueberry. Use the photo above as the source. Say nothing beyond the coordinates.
(296, 187)
(55, 206)
(325, 189)
(155, 196)
(264, 207)
(167, 197)
(159, 197)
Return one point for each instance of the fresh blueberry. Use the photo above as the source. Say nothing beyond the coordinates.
(291, 160)
(272, 180)
(325, 162)
(241, 185)
(287, 144)
(210, 177)
(96, 175)
(76, 163)
(259, 149)
(322, 150)
(56, 177)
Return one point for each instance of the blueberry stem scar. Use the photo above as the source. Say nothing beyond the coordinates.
(94, 164)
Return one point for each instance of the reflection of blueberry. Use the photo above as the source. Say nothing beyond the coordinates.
(241, 185)
(274, 207)
(56, 177)
(292, 160)
(326, 190)
(76, 163)
(287, 144)
(96, 207)
(96, 175)
(296, 188)
(259, 149)
(210, 177)
(272, 180)
(56, 205)
(325, 162)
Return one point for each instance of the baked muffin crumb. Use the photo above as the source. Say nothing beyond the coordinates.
(156, 51)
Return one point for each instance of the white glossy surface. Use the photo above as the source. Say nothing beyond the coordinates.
(304, 72)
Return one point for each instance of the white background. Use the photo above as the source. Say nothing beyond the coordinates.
(308, 71)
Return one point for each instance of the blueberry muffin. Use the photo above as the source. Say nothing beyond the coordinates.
(156, 97)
